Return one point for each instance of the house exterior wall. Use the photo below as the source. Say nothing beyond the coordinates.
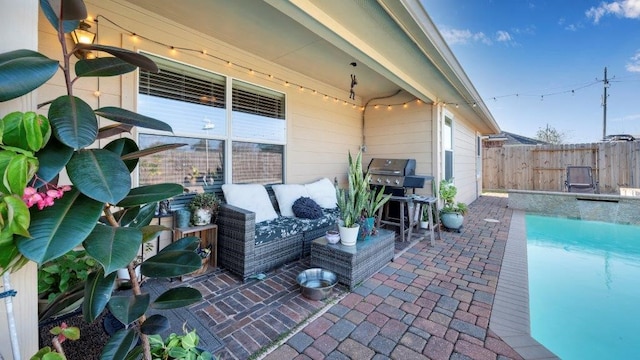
(465, 161)
(320, 131)
(401, 132)
(465, 164)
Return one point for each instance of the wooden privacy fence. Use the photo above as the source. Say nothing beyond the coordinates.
(544, 167)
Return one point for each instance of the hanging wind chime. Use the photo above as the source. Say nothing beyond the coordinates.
(354, 82)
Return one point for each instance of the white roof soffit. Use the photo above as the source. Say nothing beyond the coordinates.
(335, 22)
(398, 40)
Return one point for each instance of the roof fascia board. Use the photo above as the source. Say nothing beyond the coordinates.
(414, 20)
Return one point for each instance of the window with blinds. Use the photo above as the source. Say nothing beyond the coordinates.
(258, 113)
(193, 101)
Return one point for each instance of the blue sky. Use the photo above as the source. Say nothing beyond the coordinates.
(542, 62)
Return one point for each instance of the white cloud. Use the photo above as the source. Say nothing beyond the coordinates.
(622, 8)
(503, 36)
(459, 36)
(634, 64)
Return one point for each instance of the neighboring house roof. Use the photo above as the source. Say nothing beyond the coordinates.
(395, 44)
(507, 138)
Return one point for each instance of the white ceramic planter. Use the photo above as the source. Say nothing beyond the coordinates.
(424, 224)
(349, 235)
(202, 217)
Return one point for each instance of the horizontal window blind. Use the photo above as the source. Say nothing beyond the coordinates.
(184, 84)
(255, 100)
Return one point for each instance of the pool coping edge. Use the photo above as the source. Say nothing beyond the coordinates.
(510, 314)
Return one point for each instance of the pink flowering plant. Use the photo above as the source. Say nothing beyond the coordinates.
(99, 209)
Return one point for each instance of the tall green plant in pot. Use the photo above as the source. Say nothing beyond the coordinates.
(352, 201)
(41, 221)
(452, 212)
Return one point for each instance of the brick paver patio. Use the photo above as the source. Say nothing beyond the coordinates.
(430, 303)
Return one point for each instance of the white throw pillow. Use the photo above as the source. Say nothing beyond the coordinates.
(287, 194)
(252, 197)
(323, 193)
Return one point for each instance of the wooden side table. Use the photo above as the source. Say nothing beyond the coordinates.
(208, 235)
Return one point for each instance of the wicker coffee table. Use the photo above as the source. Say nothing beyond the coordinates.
(353, 264)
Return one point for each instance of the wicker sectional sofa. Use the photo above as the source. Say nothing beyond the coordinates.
(248, 247)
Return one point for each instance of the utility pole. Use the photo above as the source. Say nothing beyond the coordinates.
(604, 105)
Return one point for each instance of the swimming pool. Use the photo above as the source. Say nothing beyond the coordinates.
(584, 287)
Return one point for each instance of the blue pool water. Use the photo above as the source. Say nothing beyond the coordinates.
(584, 287)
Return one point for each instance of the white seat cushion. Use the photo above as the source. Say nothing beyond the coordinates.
(287, 194)
(323, 193)
(252, 197)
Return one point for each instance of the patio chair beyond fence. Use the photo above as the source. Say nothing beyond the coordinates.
(580, 180)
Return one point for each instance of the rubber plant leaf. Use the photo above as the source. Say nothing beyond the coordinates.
(62, 301)
(97, 293)
(22, 71)
(171, 264)
(131, 118)
(119, 344)
(99, 174)
(189, 243)
(70, 11)
(151, 193)
(151, 151)
(131, 57)
(103, 67)
(151, 232)
(176, 298)
(53, 158)
(74, 122)
(129, 308)
(113, 247)
(122, 147)
(58, 229)
(145, 215)
(155, 324)
(113, 130)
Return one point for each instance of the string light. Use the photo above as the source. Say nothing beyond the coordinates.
(252, 71)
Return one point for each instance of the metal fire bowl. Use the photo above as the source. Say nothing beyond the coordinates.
(316, 283)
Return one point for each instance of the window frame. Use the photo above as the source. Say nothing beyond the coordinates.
(228, 136)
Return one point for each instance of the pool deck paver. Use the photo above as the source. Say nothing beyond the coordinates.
(431, 302)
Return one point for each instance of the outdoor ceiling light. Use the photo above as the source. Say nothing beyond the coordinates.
(82, 35)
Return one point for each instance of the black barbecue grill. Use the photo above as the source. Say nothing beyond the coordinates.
(396, 175)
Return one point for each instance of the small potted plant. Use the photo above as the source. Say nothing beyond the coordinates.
(424, 216)
(203, 206)
(376, 198)
(452, 212)
(178, 346)
(352, 201)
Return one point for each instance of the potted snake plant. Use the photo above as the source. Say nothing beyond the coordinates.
(352, 201)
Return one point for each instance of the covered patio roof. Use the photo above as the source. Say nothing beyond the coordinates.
(395, 44)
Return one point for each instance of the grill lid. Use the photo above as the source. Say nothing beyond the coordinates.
(395, 167)
(392, 172)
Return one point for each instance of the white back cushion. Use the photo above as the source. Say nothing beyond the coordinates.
(287, 194)
(323, 193)
(252, 197)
